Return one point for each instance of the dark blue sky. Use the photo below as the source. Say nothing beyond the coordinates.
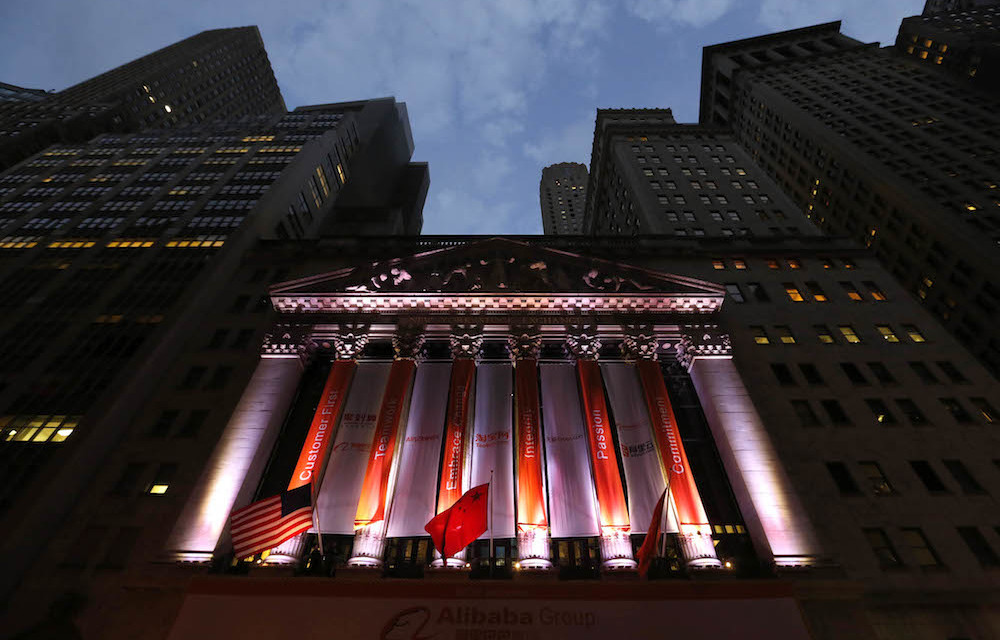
(496, 89)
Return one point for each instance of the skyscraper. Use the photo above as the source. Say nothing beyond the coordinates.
(217, 74)
(562, 194)
(885, 145)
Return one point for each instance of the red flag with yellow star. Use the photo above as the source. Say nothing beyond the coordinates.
(456, 528)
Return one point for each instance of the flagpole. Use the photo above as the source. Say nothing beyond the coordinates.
(490, 496)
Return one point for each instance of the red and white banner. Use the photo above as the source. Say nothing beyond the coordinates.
(607, 475)
(573, 509)
(312, 459)
(493, 448)
(337, 502)
(415, 487)
(374, 489)
(690, 510)
(454, 465)
(530, 483)
(643, 474)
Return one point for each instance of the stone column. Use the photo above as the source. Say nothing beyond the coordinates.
(346, 345)
(234, 469)
(525, 344)
(616, 545)
(369, 540)
(698, 548)
(774, 515)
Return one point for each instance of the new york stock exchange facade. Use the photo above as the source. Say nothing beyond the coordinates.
(577, 387)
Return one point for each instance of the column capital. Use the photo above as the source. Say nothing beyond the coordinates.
(524, 342)
(639, 343)
(582, 341)
(702, 341)
(288, 341)
(408, 341)
(465, 340)
(350, 341)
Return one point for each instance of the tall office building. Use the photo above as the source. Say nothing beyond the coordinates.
(562, 194)
(888, 146)
(217, 74)
(947, 6)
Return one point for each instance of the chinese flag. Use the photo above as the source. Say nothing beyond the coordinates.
(454, 529)
(648, 549)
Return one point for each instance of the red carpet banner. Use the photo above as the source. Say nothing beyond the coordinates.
(493, 447)
(416, 479)
(371, 507)
(690, 511)
(573, 509)
(607, 477)
(337, 502)
(530, 490)
(453, 466)
(324, 425)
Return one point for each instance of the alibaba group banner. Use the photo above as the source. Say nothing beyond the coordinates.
(530, 491)
(690, 510)
(313, 455)
(607, 477)
(371, 507)
(463, 372)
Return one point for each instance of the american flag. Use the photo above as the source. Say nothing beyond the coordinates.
(267, 523)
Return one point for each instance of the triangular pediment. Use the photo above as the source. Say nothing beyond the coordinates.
(495, 266)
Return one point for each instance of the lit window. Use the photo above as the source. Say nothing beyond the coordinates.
(816, 291)
(923, 55)
(793, 292)
(848, 264)
(158, 489)
(740, 264)
(759, 335)
(874, 290)
(851, 291)
(785, 334)
(794, 263)
(877, 479)
(880, 411)
(718, 264)
(986, 410)
(823, 334)
(773, 264)
(914, 333)
(849, 334)
(887, 333)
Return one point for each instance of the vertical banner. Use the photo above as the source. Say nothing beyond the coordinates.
(416, 479)
(371, 506)
(493, 448)
(572, 504)
(453, 468)
(607, 476)
(337, 502)
(690, 511)
(312, 459)
(530, 487)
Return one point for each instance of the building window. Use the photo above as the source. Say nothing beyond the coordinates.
(193, 424)
(851, 291)
(914, 333)
(783, 374)
(875, 292)
(952, 372)
(816, 291)
(718, 264)
(807, 417)
(930, 478)
(882, 548)
(758, 292)
(920, 547)
(882, 374)
(740, 265)
(784, 334)
(986, 410)
(912, 412)
(162, 426)
(978, 546)
(161, 479)
(192, 378)
(849, 334)
(887, 333)
(811, 374)
(759, 335)
(956, 410)
(793, 292)
(924, 373)
(842, 478)
(966, 481)
(128, 480)
(881, 412)
(835, 412)
(823, 334)
(734, 293)
(854, 374)
(773, 264)
(877, 479)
